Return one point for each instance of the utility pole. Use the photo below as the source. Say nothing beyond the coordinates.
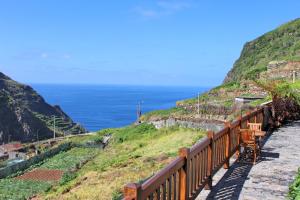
(138, 112)
(54, 127)
(198, 103)
(294, 76)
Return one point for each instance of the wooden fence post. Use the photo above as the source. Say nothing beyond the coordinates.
(248, 117)
(210, 160)
(239, 136)
(184, 178)
(227, 150)
(132, 191)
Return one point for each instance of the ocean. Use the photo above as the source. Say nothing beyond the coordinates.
(106, 106)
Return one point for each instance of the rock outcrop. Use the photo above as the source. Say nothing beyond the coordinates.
(25, 116)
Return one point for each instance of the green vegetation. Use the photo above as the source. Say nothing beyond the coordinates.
(18, 189)
(228, 86)
(294, 192)
(260, 101)
(62, 125)
(282, 43)
(69, 159)
(282, 88)
(163, 114)
(296, 85)
(212, 94)
(83, 139)
(134, 153)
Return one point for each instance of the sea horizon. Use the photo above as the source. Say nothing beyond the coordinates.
(100, 106)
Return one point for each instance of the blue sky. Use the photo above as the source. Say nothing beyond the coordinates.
(153, 42)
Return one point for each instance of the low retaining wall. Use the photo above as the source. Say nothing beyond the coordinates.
(7, 171)
(205, 125)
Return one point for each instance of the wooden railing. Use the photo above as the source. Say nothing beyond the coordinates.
(192, 170)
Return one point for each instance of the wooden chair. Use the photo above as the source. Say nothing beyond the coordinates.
(250, 145)
(255, 126)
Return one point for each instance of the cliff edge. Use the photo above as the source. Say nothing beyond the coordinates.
(25, 116)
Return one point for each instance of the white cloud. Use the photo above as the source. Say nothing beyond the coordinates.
(163, 8)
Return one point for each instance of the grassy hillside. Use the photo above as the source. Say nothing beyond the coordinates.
(282, 43)
(134, 154)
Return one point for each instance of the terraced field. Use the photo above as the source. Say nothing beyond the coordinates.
(53, 171)
(71, 159)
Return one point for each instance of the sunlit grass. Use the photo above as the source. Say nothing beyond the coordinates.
(131, 159)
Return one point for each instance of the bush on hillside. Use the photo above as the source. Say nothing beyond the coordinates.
(285, 97)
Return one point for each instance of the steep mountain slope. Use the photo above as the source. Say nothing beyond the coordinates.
(282, 43)
(280, 46)
(25, 116)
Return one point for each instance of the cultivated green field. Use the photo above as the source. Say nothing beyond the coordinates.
(73, 159)
(69, 159)
(13, 189)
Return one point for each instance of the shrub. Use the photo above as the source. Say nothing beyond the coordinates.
(68, 176)
(294, 189)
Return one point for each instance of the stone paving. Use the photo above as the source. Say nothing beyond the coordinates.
(269, 178)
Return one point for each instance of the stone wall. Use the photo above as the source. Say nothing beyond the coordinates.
(207, 108)
(282, 69)
(195, 124)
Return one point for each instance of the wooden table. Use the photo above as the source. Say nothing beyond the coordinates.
(260, 134)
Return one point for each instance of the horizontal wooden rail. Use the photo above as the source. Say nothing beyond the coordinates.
(192, 170)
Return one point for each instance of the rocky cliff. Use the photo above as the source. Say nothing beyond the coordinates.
(25, 116)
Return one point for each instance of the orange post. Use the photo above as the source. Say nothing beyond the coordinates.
(210, 135)
(227, 150)
(239, 136)
(132, 191)
(184, 174)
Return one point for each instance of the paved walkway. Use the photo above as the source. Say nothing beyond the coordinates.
(268, 179)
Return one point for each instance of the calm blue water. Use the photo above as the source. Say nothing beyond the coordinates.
(104, 106)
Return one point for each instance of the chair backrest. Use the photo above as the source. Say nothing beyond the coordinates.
(247, 136)
(255, 126)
